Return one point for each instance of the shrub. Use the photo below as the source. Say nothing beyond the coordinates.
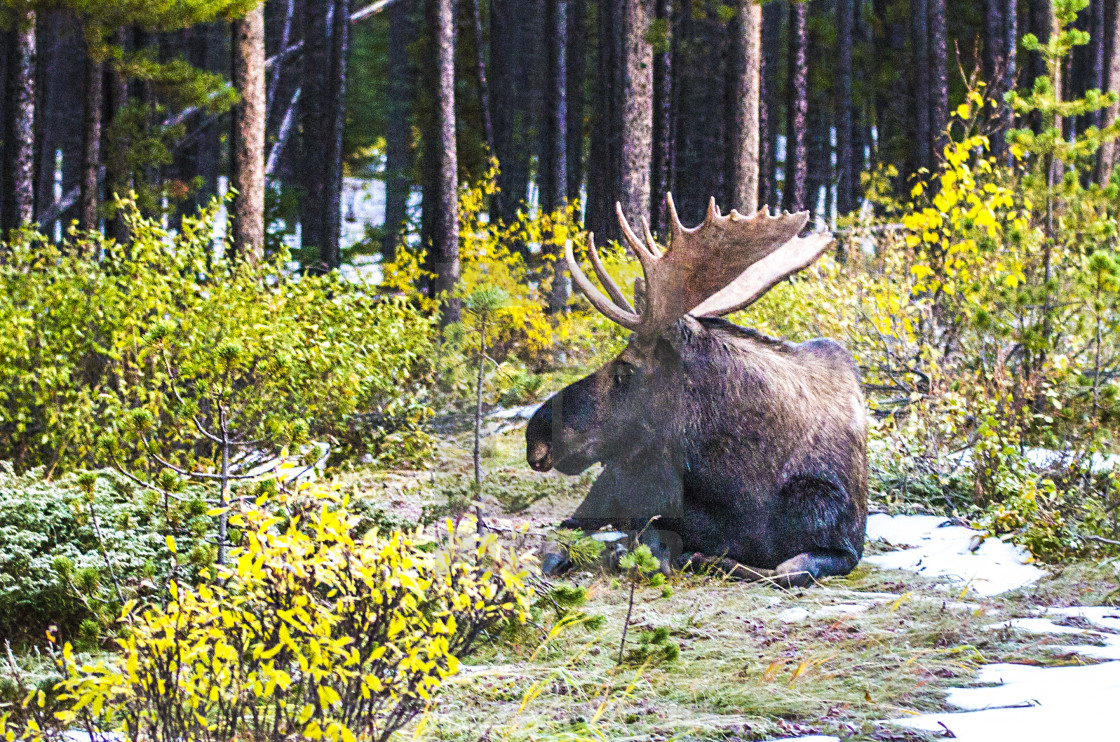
(94, 330)
(310, 633)
(71, 550)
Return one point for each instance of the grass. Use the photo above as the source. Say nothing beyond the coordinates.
(755, 662)
(747, 668)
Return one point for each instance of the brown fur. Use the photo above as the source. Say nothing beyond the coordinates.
(746, 448)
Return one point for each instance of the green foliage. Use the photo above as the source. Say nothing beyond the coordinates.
(172, 326)
(653, 647)
(583, 550)
(71, 549)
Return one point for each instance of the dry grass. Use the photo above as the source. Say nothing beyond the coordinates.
(755, 662)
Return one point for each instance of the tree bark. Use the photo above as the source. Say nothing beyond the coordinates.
(603, 175)
(331, 253)
(845, 132)
(637, 109)
(441, 203)
(577, 69)
(512, 41)
(939, 80)
(769, 108)
(797, 109)
(919, 36)
(19, 149)
(398, 159)
(744, 67)
(1096, 79)
(248, 135)
(662, 115)
(554, 156)
(995, 65)
(116, 164)
(1107, 156)
(483, 87)
(554, 161)
(315, 119)
(89, 198)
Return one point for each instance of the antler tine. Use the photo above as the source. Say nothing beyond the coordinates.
(642, 251)
(615, 293)
(611, 311)
(675, 227)
(713, 211)
(653, 248)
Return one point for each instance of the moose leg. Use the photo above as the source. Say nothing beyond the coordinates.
(799, 571)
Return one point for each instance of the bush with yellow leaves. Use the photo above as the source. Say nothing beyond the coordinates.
(309, 633)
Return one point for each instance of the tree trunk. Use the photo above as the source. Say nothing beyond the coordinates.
(603, 174)
(1096, 79)
(845, 156)
(441, 201)
(315, 97)
(19, 149)
(331, 252)
(248, 135)
(744, 68)
(483, 87)
(1107, 156)
(577, 69)
(637, 109)
(89, 197)
(939, 80)
(919, 36)
(553, 160)
(398, 132)
(554, 156)
(995, 65)
(116, 164)
(797, 109)
(662, 115)
(512, 41)
(769, 108)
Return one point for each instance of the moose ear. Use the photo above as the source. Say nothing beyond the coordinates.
(680, 332)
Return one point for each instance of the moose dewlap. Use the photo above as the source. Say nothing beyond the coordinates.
(751, 452)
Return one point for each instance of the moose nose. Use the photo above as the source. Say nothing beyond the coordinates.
(538, 438)
(539, 456)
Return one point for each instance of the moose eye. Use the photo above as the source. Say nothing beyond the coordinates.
(623, 372)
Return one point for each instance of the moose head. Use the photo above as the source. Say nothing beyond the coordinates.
(724, 265)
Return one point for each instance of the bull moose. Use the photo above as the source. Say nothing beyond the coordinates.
(752, 450)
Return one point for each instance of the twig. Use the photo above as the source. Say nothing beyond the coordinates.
(1103, 540)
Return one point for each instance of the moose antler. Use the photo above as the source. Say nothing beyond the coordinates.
(722, 265)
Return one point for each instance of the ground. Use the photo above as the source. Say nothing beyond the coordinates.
(847, 658)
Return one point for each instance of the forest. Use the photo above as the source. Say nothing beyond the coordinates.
(314, 423)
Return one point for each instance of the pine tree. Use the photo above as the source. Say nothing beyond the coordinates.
(743, 91)
(248, 135)
(637, 109)
(797, 110)
(19, 138)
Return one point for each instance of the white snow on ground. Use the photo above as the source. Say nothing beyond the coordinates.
(1029, 704)
(987, 566)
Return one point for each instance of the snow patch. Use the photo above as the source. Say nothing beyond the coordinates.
(935, 547)
(515, 413)
(1028, 703)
